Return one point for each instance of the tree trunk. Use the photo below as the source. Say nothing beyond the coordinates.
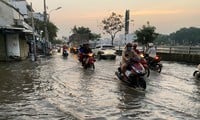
(112, 38)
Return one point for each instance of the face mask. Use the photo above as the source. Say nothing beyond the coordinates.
(129, 48)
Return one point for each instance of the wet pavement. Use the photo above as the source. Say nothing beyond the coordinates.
(58, 88)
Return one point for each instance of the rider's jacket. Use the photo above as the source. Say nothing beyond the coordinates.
(87, 50)
(151, 52)
(127, 54)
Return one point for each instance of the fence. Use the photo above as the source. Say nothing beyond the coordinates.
(189, 54)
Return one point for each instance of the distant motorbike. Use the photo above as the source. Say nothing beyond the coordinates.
(65, 53)
(154, 63)
(196, 73)
(59, 49)
(89, 58)
(134, 74)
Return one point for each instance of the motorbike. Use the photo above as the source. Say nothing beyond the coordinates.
(196, 73)
(65, 53)
(90, 58)
(143, 61)
(134, 74)
(59, 49)
(154, 63)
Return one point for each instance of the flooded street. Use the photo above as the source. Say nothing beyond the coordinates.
(59, 88)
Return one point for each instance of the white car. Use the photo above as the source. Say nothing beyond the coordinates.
(105, 51)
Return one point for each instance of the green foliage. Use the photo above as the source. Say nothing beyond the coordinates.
(39, 26)
(52, 31)
(146, 35)
(85, 31)
(113, 24)
(162, 40)
(186, 36)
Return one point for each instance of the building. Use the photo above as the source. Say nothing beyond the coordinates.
(13, 32)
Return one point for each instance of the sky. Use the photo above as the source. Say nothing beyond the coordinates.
(166, 15)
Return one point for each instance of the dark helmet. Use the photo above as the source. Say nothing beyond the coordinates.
(128, 45)
(134, 45)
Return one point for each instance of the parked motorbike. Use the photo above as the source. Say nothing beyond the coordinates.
(65, 53)
(196, 73)
(134, 74)
(90, 58)
(154, 63)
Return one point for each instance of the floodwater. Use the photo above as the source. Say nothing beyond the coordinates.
(59, 88)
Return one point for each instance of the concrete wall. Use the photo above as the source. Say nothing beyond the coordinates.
(24, 48)
(6, 15)
(180, 57)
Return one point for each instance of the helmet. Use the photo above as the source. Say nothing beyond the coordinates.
(150, 44)
(129, 45)
(134, 45)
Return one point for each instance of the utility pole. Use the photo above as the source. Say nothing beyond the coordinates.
(33, 55)
(126, 24)
(45, 30)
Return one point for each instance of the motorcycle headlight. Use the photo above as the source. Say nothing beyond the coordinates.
(142, 55)
(90, 54)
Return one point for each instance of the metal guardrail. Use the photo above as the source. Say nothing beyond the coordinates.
(172, 49)
(179, 49)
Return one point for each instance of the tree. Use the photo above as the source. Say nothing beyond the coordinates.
(186, 36)
(39, 26)
(113, 24)
(162, 40)
(85, 31)
(147, 34)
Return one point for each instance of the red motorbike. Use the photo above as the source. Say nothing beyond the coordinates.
(134, 74)
(88, 61)
(143, 61)
(154, 63)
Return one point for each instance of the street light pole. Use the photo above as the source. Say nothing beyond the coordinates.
(45, 29)
(53, 10)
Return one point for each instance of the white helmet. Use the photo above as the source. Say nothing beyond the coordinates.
(150, 44)
(198, 66)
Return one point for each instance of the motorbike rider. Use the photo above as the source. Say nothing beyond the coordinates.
(151, 52)
(80, 53)
(127, 54)
(135, 48)
(64, 48)
(85, 52)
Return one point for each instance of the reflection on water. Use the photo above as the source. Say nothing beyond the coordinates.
(57, 88)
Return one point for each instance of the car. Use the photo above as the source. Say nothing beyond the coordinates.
(105, 51)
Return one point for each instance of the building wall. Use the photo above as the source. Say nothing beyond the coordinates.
(12, 42)
(6, 15)
(24, 48)
(22, 6)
